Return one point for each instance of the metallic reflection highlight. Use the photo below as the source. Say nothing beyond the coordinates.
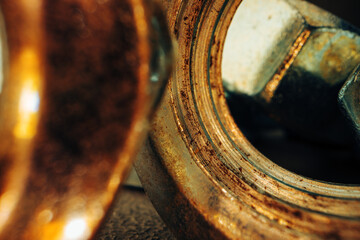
(76, 228)
(29, 102)
(21, 83)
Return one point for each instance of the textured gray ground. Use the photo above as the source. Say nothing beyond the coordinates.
(133, 217)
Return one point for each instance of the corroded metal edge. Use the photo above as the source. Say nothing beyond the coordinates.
(199, 170)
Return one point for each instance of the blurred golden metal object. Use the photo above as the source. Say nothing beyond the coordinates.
(75, 97)
(204, 177)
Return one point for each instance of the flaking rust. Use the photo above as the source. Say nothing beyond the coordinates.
(203, 176)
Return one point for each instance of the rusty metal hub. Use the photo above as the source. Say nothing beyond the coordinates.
(203, 176)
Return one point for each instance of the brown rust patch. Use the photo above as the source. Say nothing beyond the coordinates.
(272, 85)
(332, 65)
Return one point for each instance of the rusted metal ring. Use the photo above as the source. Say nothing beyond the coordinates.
(75, 99)
(203, 176)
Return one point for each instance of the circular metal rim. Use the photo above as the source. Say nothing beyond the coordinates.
(46, 197)
(193, 144)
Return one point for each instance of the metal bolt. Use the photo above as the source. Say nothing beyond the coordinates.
(291, 59)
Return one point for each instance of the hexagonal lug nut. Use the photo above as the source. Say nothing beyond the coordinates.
(294, 66)
(349, 100)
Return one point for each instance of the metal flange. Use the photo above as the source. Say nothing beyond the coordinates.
(203, 176)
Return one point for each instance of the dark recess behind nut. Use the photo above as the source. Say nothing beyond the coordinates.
(345, 9)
